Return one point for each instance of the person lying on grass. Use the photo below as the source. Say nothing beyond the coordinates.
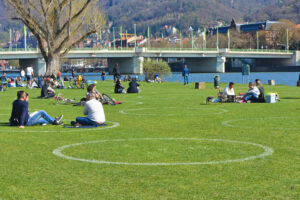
(20, 116)
(94, 111)
(104, 99)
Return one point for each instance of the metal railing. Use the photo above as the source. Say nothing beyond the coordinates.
(155, 49)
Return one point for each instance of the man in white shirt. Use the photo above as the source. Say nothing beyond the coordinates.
(252, 94)
(94, 111)
(229, 90)
(29, 76)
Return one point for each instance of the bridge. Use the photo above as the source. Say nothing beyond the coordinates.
(131, 60)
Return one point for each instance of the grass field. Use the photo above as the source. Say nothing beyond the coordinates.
(163, 143)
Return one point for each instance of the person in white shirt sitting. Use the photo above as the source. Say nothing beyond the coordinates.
(229, 93)
(94, 111)
(229, 90)
(252, 94)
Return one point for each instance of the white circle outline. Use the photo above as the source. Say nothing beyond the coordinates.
(227, 123)
(267, 152)
(162, 114)
(114, 124)
(134, 102)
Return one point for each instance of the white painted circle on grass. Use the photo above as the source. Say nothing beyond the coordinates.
(135, 102)
(219, 111)
(100, 128)
(267, 152)
(229, 123)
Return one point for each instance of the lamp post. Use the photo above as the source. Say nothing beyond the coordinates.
(134, 35)
(114, 38)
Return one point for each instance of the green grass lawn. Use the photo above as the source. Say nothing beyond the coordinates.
(163, 143)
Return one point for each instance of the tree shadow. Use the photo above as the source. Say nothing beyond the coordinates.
(290, 98)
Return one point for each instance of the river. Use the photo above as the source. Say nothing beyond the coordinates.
(282, 78)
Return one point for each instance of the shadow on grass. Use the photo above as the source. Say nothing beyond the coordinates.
(290, 98)
(4, 124)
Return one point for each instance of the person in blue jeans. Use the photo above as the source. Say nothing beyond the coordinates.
(103, 75)
(252, 94)
(185, 74)
(94, 111)
(20, 116)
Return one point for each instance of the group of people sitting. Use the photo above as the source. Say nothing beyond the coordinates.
(11, 82)
(255, 94)
(92, 108)
(133, 86)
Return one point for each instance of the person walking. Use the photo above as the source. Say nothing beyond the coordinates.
(103, 75)
(185, 74)
(58, 75)
(22, 74)
(116, 72)
(29, 76)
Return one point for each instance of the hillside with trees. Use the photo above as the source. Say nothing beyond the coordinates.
(287, 9)
(179, 13)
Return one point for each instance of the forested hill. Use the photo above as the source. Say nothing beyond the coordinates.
(281, 9)
(180, 13)
(196, 13)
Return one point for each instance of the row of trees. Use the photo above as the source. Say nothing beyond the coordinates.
(275, 37)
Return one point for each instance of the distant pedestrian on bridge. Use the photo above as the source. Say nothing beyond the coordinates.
(185, 74)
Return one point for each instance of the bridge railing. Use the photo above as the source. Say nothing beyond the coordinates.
(17, 49)
(155, 49)
(262, 50)
(181, 49)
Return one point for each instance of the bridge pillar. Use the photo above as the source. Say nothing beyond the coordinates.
(38, 65)
(206, 65)
(133, 65)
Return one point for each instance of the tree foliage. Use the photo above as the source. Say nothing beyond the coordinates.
(151, 67)
(58, 25)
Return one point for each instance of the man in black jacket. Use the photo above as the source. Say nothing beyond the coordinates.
(133, 86)
(47, 91)
(20, 116)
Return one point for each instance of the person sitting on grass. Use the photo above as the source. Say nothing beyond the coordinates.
(252, 94)
(4, 79)
(91, 89)
(19, 82)
(47, 91)
(21, 118)
(228, 94)
(259, 85)
(118, 87)
(94, 111)
(133, 86)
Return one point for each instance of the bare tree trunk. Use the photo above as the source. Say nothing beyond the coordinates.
(53, 65)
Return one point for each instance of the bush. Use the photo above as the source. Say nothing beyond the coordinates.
(152, 67)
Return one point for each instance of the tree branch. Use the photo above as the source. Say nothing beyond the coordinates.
(78, 41)
(75, 16)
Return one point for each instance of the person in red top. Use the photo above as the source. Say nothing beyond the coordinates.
(58, 75)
